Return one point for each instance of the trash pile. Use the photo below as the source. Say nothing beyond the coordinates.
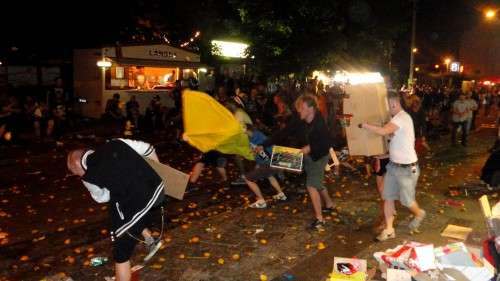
(456, 261)
(422, 262)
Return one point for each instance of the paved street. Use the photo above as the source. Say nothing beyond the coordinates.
(49, 223)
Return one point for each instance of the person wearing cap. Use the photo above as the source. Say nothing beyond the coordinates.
(118, 174)
(402, 171)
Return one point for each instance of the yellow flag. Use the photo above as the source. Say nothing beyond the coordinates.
(210, 126)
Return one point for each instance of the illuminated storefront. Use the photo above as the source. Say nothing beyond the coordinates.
(143, 71)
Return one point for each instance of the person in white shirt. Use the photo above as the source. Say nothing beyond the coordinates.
(460, 114)
(472, 108)
(402, 171)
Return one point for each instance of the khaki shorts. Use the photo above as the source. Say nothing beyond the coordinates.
(315, 171)
(400, 183)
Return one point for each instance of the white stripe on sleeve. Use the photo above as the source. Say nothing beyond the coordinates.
(100, 195)
(142, 148)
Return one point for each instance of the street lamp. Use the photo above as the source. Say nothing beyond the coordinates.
(447, 63)
(490, 14)
(104, 63)
(417, 69)
(413, 40)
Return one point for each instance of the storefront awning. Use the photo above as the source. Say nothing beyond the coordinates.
(159, 63)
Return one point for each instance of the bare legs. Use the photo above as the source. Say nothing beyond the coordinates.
(123, 271)
(316, 197)
(198, 168)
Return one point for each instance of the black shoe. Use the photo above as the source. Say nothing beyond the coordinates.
(328, 210)
(317, 225)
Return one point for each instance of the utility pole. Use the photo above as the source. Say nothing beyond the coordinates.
(413, 44)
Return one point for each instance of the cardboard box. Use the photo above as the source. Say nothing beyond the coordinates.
(492, 215)
(367, 103)
(175, 180)
(456, 232)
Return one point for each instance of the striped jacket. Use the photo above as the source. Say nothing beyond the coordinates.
(117, 173)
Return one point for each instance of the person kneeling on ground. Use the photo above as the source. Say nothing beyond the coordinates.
(262, 169)
(117, 173)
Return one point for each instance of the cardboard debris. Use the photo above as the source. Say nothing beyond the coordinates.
(411, 255)
(345, 269)
(492, 215)
(175, 180)
(456, 232)
(456, 256)
(453, 262)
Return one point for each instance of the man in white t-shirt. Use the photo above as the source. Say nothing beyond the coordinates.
(472, 108)
(402, 171)
(460, 114)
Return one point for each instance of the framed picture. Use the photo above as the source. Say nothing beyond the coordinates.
(287, 158)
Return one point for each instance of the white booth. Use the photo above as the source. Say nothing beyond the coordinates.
(143, 71)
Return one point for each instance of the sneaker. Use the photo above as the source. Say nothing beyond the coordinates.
(415, 223)
(385, 234)
(152, 249)
(239, 181)
(328, 210)
(259, 204)
(317, 224)
(280, 197)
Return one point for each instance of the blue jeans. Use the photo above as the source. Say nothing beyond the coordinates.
(463, 126)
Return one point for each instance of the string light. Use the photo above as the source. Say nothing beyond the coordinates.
(196, 35)
(166, 39)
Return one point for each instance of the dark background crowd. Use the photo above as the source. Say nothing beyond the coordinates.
(49, 117)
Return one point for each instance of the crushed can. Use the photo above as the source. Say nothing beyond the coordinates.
(98, 261)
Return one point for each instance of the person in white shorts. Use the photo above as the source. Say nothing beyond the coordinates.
(403, 170)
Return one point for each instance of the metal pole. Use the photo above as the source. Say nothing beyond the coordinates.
(103, 75)
(413, 45)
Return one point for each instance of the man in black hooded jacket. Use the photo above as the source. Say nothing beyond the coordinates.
(118, 174)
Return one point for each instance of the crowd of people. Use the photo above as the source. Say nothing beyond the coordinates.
(45, 118)
(440, 110)
(306, 115)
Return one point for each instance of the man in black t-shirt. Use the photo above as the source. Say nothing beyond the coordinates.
(316, 154)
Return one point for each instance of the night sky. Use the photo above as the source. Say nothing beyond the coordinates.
(38, 26)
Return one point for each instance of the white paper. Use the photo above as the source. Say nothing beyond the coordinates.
(425, 257)
(398, 275)
(473, 273)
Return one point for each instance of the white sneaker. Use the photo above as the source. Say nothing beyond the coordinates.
(280, 197)
(153, 248)
(385, 234)
(259, 204)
